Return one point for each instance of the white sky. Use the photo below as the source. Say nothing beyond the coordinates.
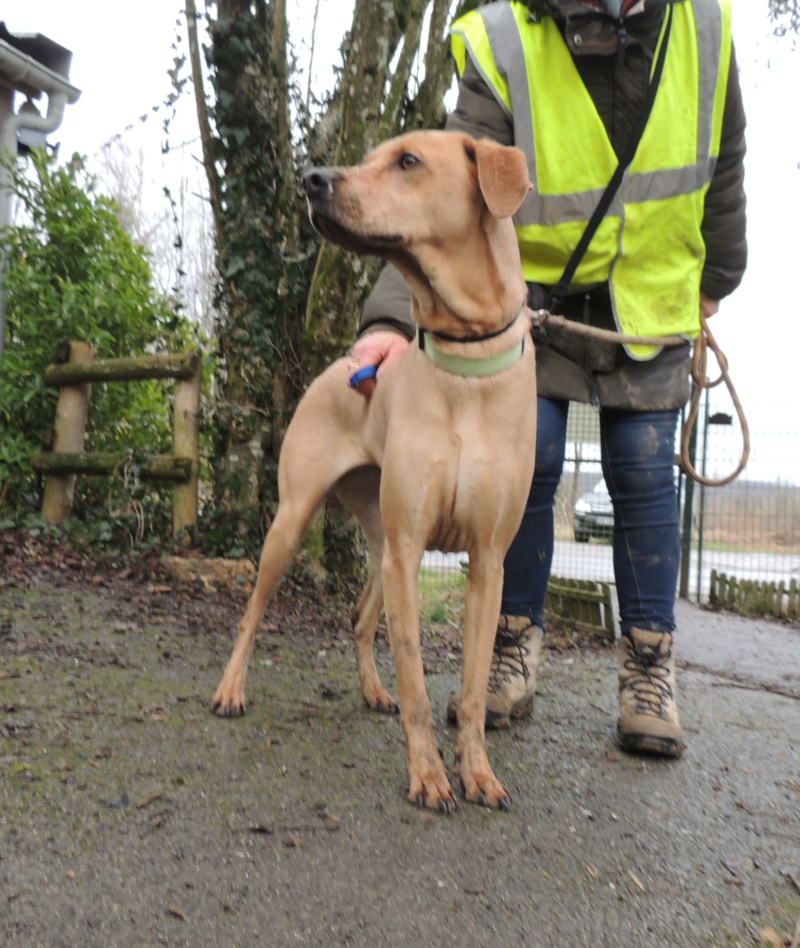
(122, 53)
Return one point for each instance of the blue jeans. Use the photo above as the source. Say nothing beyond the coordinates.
(638, 456)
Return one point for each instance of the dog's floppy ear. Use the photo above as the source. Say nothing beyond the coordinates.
(502, 176)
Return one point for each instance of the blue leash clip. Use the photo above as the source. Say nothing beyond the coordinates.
(368, 372)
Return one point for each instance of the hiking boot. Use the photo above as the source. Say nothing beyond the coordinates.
(512, 679)
(648, 715)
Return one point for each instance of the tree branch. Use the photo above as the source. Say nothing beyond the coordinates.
(203, 120)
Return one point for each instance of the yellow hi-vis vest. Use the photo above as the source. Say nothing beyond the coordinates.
(649, 247)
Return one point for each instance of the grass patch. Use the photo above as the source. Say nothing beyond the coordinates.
(441, 594)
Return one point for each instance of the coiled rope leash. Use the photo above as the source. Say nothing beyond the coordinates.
(699, 367)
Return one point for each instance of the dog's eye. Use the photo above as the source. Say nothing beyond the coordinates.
(408, 161)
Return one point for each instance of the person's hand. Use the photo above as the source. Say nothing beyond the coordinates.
(380, 349)
(708, 307)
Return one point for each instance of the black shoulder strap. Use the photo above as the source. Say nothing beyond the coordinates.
(559, 291)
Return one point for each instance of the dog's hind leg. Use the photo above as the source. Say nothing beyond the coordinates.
(280, 545)
(314, 457)
(359, 491)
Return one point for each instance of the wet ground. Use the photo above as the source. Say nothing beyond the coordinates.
(129, 815)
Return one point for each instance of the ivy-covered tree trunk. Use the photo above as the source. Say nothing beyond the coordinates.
(263, 271)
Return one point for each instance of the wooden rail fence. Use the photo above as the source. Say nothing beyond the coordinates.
(583, 602)
(752, 598)
(74, 373)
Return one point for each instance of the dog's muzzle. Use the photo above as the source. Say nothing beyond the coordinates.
(330, 215)
(318, 185)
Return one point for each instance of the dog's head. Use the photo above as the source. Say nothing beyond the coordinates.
(438, 205)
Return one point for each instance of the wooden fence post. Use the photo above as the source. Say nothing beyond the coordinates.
(186, 443)
(68, 459)
(71, 414)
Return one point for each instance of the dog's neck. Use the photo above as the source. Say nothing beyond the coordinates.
(482, 300)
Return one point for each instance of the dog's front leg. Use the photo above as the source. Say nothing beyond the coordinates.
(428, 783)
(483, 594)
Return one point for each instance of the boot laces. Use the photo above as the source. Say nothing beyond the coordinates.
(648, 674)
(509, 657)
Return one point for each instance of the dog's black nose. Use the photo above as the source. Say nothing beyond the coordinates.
(317, 182)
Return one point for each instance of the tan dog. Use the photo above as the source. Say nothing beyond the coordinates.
(433, 460)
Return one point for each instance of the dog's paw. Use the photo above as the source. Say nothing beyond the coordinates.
(485, 790)
(433, 793)
(491, 799)
(443, 804)
(381, 701)
(228, 702)
(224, 709)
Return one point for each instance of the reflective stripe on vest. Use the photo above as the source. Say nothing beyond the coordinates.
(649, 247)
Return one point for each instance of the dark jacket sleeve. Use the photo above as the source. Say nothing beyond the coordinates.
(477, 113)
(388, 305)
(724, 217)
